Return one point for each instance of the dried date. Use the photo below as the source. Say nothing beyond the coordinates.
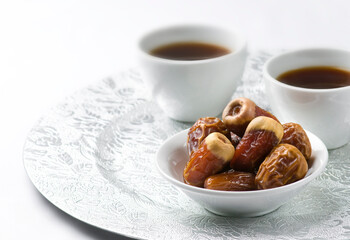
(295, 135)
(212, 156)
(201, 129)
(284, 165)
(231, 181)
(239, 112)
(262, 134)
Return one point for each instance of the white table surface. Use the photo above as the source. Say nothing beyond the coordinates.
(50, 49)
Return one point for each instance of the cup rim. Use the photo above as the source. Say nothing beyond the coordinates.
(232, 31)
(268, 76)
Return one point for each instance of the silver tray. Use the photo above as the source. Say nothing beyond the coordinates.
(92, 156)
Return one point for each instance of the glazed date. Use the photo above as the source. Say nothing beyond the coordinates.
(231, 181)
(284, 165)
(295, 135)
(201, 129)
(261, 135)
(239, 112)
(212, 156)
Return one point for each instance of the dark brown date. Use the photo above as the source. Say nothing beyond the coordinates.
(295, 135)
(212, 156)
(284, 165)
(231, 181)
(201, 129)
(235, 139)
(262, 134)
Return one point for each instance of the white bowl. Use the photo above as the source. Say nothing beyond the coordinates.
(172, 158)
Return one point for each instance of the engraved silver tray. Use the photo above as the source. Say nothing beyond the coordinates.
(92, 156)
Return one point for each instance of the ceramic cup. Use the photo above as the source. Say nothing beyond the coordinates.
(325, 112)
(188, 90)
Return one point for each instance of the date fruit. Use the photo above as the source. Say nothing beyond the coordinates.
(284, 165)
(231, 181)
(212, 156)
(201, 129)
(239, 112)
(260, 137)
(295, 135)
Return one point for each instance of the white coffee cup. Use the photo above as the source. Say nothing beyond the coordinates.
(325, 112)
(188, 90)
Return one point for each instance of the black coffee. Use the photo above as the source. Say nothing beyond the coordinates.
(189, 51)
(320, 77)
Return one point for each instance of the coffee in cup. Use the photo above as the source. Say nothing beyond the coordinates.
(321, 106)
(186, 81)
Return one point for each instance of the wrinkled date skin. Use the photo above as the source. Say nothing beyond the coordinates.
(212, 156)
(295, 135)
(239, 112)
(262, 135)
(252, 150)
(284, 165)
(201, 129)
(231, 181)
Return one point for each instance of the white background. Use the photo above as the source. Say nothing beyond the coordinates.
(50, 49)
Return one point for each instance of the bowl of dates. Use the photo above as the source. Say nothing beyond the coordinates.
(245, 164)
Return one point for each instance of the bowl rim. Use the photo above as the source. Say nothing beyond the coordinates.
(316, 172)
